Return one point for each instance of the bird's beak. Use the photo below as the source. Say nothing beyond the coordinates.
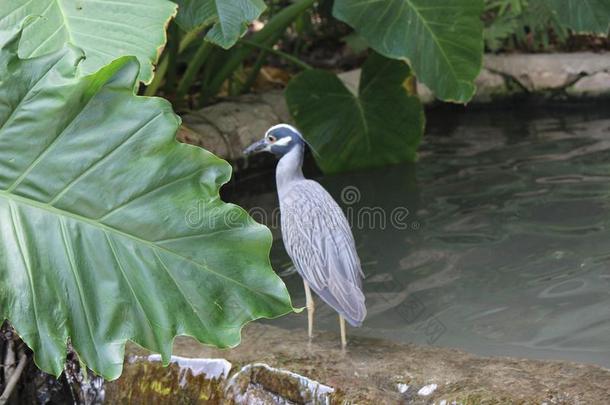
(256, 147)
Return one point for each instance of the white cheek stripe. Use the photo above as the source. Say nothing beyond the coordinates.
(283, 141)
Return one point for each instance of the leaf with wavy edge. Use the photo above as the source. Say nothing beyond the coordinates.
(109, 228)
(381, 125)
(104, 29)
(441, 39)
(229, 18)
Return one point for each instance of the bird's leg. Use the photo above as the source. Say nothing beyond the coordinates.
(343, 334)
(310, 309)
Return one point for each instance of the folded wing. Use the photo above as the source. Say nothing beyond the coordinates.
(318, 238)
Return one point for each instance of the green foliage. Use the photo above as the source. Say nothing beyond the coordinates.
(230, 18)
(110, 229)
(504, 23)
(525, 24)
(583, 16)
(534, 24)
(380, 125)
(104, 29)
(202, 65)
(442, 40)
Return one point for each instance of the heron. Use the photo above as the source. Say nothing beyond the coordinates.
(315, 231)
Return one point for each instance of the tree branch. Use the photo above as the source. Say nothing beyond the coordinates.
(12, 382)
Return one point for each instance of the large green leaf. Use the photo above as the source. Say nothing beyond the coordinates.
(583, 16)
(381, 125)
(104, 29)
(230, 18)
(441, 39)
(109, 228)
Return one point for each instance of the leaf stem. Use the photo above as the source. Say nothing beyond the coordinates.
(276, 24)
(173, 45)
(154, 86)
(163, 64)
(290, 58)
(189, 37)
(260, 60)
(193, 68)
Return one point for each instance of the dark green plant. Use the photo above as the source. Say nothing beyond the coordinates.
(446, 66)
(536, 24)
(380, 125)
(522, 24)
(582, 16)
(110, 229)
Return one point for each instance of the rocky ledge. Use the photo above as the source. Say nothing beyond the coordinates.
(579, 75)
(277, 366)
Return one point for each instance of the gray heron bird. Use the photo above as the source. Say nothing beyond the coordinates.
(316, 233)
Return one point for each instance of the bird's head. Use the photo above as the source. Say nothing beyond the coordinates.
(279, 140)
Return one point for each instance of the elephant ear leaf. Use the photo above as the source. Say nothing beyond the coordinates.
(104, 29)
(380, 125)
(109, 228)
(442, 40)
(228, 18)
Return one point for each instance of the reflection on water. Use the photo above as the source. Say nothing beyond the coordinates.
(505, 247)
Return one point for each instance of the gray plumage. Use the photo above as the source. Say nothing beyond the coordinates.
(315, 231)
(318, 239)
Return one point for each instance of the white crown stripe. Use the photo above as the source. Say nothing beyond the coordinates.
(290, 127)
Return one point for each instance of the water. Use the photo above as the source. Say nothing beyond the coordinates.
(501, 244)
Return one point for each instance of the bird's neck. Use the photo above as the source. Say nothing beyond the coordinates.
(289, 168)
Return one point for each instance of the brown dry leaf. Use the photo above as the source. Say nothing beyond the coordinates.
(271, 77)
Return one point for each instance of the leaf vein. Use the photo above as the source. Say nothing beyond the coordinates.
(108, 154)
(79, 287)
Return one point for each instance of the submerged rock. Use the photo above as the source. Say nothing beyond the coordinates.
(277, 366)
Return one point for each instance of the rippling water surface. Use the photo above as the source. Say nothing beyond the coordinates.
(497, 241)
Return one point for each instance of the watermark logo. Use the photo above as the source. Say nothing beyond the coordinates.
(350, 195)
(374, 217)
(359, 216)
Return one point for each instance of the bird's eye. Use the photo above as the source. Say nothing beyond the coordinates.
(271, 138)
